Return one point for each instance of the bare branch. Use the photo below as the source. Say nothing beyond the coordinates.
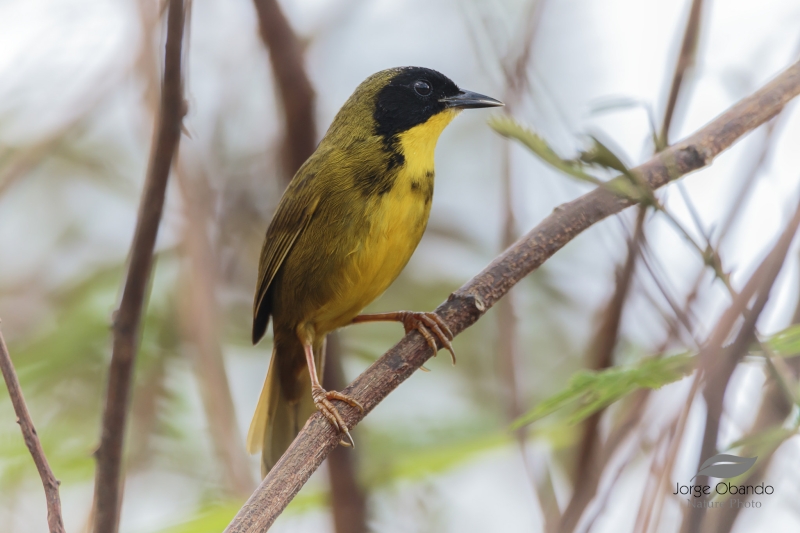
(108, 481)
(348, 501)
(775, 408)
(199, 323)
(470, 302)
(296, 93)
(589, 467)
(54, 520)
(719, 363)
(686, 59)
(515, 68)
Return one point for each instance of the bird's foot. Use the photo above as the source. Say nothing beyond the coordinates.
(426, 323)
(322, 399)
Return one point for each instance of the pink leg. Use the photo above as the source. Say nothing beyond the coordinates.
(420, 321)
(322, 398)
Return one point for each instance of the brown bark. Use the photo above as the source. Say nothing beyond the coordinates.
(775, 408)
(589, 467)
(296, 93)
(686, 59)
(470, 302)
(721, 362)
(201, 327)
(49, 481)
(348, 502)
(127, 322)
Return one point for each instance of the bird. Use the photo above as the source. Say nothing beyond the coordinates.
(344, 229)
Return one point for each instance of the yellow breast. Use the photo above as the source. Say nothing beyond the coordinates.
(397, 220)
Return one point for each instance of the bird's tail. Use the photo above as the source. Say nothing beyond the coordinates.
(285, 402)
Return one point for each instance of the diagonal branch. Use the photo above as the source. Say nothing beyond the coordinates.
(127, 322)
(470, 302)
(54, 520)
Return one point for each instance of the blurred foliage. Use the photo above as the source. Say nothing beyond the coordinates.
(785, 343)
(587, 392)
(598, 155)
(508, 127)
(82, 173)
(62, 370)
(215, 517)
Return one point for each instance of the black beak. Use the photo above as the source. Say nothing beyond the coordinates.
(470, 100)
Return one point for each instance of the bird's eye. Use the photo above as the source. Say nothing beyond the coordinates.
(422, 87)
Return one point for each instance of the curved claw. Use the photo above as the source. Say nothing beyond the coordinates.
(426, 323)
(336, 395)
(322, 399)
(349, 443)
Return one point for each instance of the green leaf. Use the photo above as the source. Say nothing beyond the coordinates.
(786, 343)
(536, 144)
(600, 154)
(215, 517)
(762, 443)
(211, 519)
(437, 459)
(765, 441)
(635, 187)
(626, 186)
(588, 392)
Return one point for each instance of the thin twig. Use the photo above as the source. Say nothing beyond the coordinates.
(294, 87)
(470, 302)
(348, 501)
(127, 322)
(199, 307)
(515, 68)
(589, 467)
(720, 363)
(200, 326)
(686, 59)
(709, 355)
(775, 408)
(54, 520)
(768, 141)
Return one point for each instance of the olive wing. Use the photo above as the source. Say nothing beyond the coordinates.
(291, 219)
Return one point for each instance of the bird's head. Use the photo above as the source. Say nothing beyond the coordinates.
(410, 96)
(401, 99)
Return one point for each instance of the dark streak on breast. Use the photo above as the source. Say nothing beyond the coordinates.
(375, 184)
(380, 183)
(391, 146)
(428, 192)
(424, 187)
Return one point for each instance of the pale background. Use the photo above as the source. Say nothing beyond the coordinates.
(75, 128)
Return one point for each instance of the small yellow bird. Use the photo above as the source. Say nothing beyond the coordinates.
(346, 226)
